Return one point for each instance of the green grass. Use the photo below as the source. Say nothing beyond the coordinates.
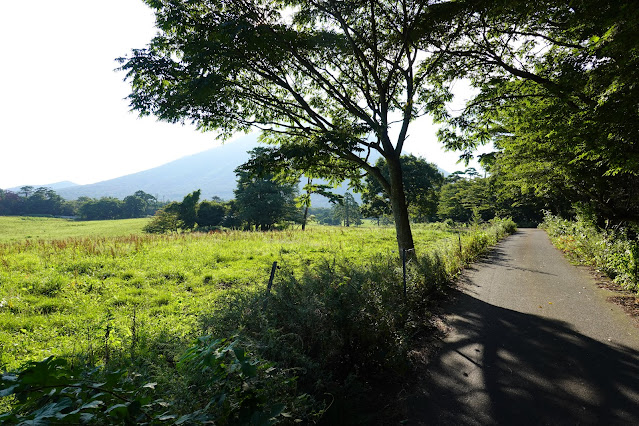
(18, 228)
(57, 295)
(336, 313)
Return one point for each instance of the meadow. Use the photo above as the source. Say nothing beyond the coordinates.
(59, 295)
(19, 228)
(104, 296)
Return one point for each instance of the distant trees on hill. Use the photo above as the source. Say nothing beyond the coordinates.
(140, 204)
(45, 201)
(36, 201)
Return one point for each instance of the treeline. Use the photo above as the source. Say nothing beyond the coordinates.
(46, 202)
(264, 203)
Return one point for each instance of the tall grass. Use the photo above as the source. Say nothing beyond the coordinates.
(610, 252)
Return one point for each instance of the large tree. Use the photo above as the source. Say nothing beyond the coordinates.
(262, 202)
(324, 80)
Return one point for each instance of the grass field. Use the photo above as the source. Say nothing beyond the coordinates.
(59, 295)
(103, 293)
(19, 228)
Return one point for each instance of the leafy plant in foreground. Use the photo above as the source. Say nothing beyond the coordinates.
(50, 391)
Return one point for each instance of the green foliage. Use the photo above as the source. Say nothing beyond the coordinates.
(262, 202)
(320, 79)
(51, 391)
(481, 199)
(240, 388)
(174, 216)
(564, 119)
(139, 204)
(335, 318)
(610, 251)
(34, 201)
(347, 211)
(422, 182)
(210, 213)
(167, 219)
(187, 210)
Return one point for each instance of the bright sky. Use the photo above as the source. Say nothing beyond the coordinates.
(63, 115)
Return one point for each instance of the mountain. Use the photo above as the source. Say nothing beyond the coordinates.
(55, 186)
(212, 171)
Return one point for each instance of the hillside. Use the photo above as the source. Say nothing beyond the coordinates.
(211, 171)
(55, 186)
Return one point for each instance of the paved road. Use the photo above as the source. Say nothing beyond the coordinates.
(533, 341)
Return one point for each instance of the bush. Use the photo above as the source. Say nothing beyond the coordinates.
(609, 251)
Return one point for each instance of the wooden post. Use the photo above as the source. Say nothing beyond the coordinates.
(404, 269)
(270, 284)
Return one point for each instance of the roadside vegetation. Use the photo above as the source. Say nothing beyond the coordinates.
(613, 252)
(119, 314)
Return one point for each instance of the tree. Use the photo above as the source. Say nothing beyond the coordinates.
(26, 191)
(133, 206)
(324, 80)
(43, 200)
(210, 213)
(422, 182)
(558, 98)
(150, 201)
(187, 210)
(166, 219)
(106, 208)
(262, 202)
(10, 203)
(347, 211)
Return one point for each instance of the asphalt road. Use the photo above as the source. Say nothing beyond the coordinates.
(533, 341)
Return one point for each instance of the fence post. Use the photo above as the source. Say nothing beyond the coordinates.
(270, 284)
(404, 269)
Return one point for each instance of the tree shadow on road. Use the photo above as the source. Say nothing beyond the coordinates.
(505, 367)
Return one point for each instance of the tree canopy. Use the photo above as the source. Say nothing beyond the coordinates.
(558, 97)
(262, 202)
(324, 80)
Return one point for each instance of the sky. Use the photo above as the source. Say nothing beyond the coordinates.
(63, 112)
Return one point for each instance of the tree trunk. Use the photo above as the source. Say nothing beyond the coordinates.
(304, 220)
(400, 209)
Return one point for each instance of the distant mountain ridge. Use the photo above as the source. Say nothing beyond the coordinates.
(55, 186)
(211, 171)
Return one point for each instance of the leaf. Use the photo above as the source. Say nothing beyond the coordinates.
(91, 405)
(86, 417)
(7, 391)
(118, 410)
(53, 409)
(248, 369)
(150, 385)
(167, 417)
(240, 354)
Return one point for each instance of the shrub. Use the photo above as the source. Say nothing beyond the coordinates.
(609, 251)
